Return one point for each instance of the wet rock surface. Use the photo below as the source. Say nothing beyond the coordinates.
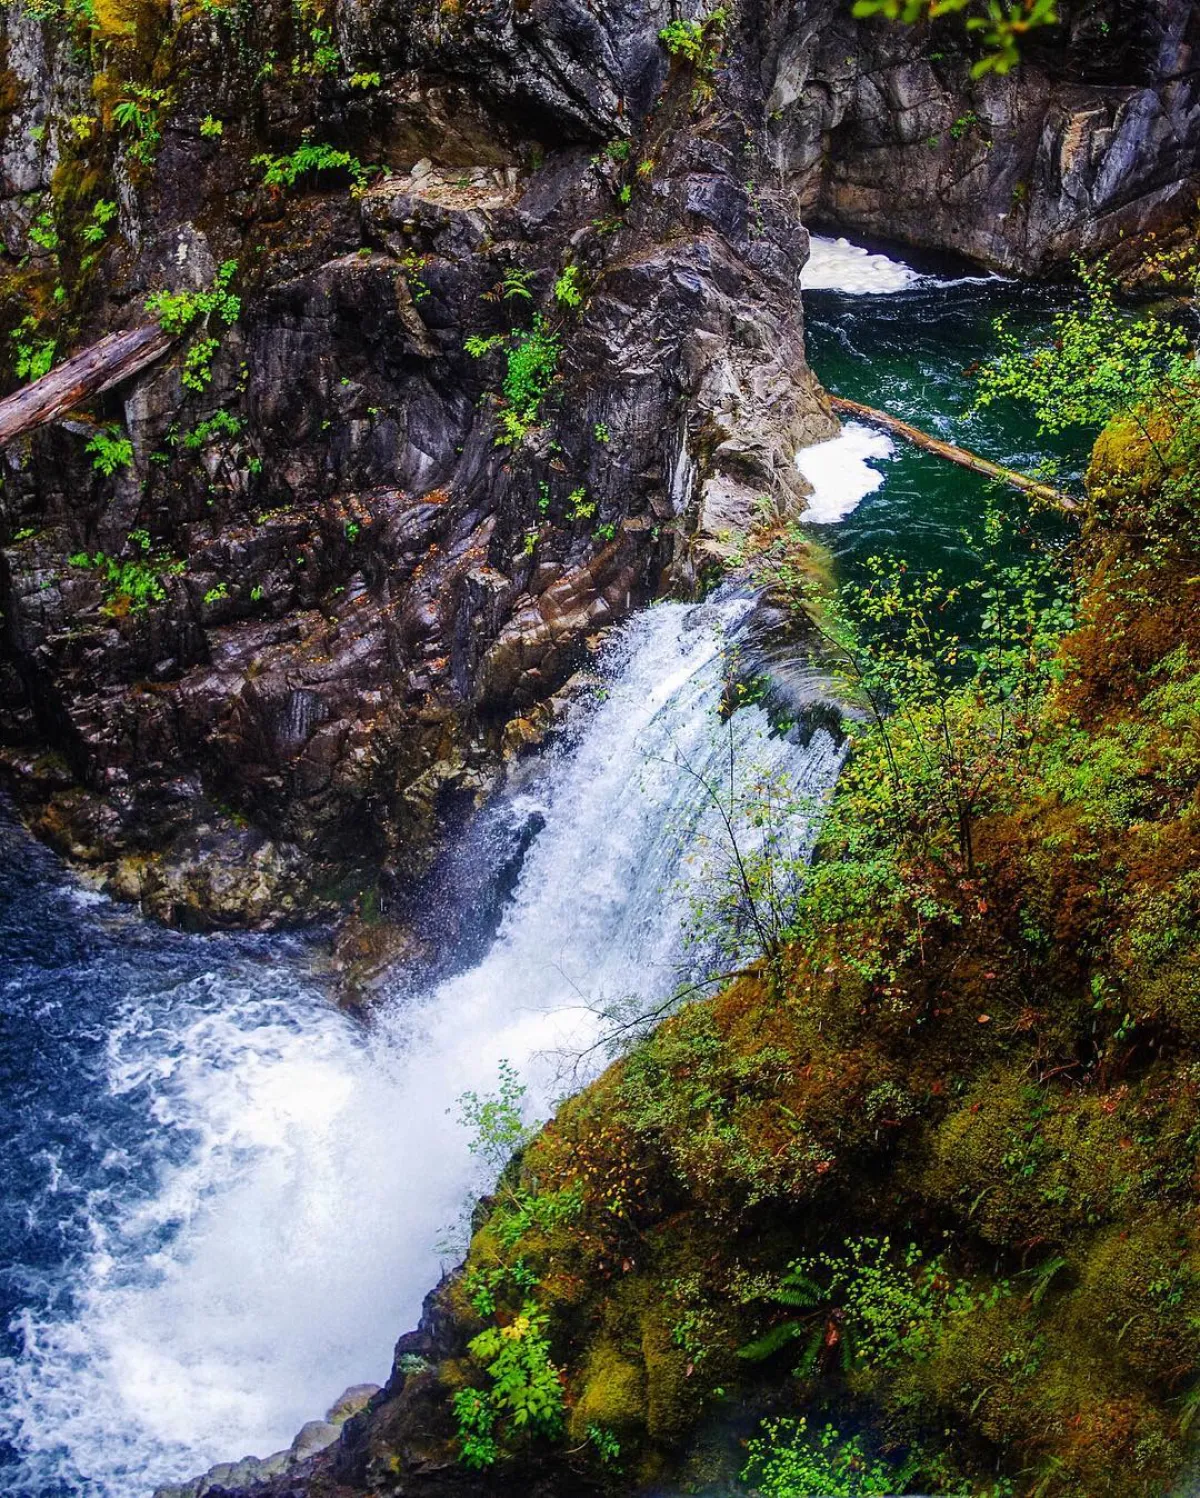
(354, 582)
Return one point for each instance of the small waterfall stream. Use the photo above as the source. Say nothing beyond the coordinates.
(257, 1214)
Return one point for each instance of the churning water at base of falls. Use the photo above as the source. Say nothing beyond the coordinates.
(222, 1198)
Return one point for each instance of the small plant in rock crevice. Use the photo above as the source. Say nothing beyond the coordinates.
(111, 451)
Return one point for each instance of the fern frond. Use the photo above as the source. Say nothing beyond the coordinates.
(770, 1342)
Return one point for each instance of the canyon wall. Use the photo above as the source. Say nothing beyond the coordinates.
(255, 671)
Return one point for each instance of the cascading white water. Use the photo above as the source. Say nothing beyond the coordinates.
(304, 1168)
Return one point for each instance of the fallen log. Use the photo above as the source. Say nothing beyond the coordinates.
(959, 455)
(116, 357)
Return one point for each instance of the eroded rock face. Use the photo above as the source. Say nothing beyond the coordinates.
(278, 650)
(1090, 146)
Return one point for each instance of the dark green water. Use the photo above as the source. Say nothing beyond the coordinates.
(911, 353)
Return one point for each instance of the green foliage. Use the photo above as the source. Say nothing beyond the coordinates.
(33, 353)
(497, 1119)
(180, 312)
(567, 289)
(482, 1286)
(531, 364)
(96, 230)
(221, 424)
(579, 506)
(1102, 366)
(43, 233)
(954, 679)
(476, 1421)
(365, 81)
(110, 450)
(212, 128)
(605, 1443)
(786, 1460)
(894, 1304)
(1001, 24)
(217, 594)
(521, 1212)
(515, 284)
(525, 1392)
(601, 432)
(140, 114)
(130, 586)
(697, 42)
(286, 171)
(1098, 360)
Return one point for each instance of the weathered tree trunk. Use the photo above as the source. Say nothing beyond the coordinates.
(116, 357)
(958, 455)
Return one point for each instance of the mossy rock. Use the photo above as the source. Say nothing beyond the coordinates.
(613, 1396)
(1024, 1164)
(1140, 1291)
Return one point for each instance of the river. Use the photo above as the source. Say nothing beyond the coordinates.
(220, 1198)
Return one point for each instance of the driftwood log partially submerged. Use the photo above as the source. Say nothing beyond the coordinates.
(959, 455)
(117, 357)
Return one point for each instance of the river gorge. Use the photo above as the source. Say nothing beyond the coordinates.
(599, 749)
(224, 1197)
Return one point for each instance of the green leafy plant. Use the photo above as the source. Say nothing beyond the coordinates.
(133, 585)
(515, 283)
(365, 80)
(180, 312)
(96, 229)
(1001, 24)
(43, 233)
(307, 159)
(698, 42)
(605, 1444)
(787, 1460)
(33, 351)
(140, 113)
(531, 364)
(579, 506)
(496, 1120)
(567, 289)
(212, 128)
(221, 424)
(525, 1392)
(111, 450)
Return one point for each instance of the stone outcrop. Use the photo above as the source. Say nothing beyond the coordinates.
(349, 581)
(1090, 146)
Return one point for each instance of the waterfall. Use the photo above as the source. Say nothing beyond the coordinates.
(255, 1186)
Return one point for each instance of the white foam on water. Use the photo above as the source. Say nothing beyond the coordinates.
(307, 1168)
(840, 471)
(838, 265)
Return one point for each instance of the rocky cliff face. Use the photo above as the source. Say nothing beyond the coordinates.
(253, 671)
(1093, 144)
(298, 619)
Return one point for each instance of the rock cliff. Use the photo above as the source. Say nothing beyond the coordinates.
(269, 607)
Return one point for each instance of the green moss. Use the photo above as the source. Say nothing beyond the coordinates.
(612, 1394)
